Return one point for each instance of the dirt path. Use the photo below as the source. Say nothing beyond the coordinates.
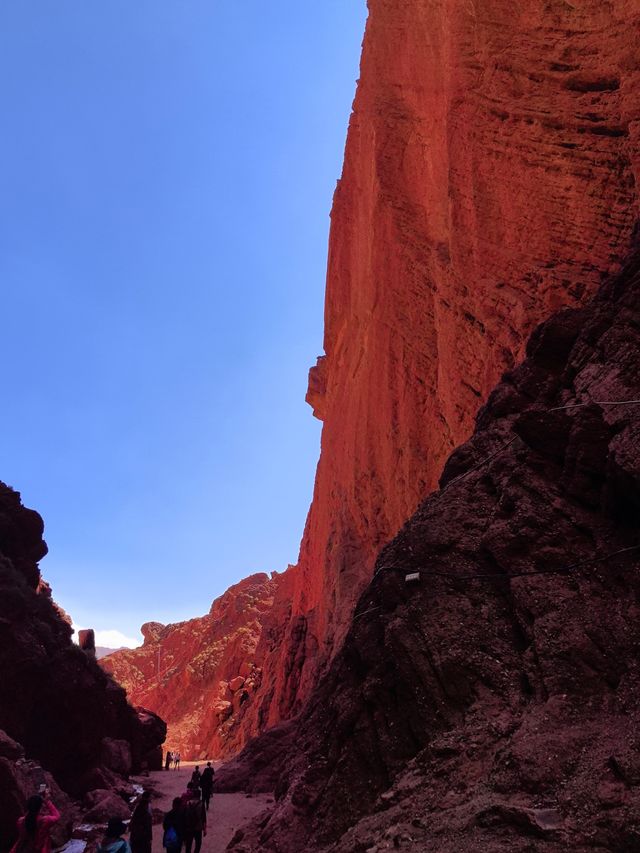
(227, 812)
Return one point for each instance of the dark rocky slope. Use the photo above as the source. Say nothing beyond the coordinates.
(55, 701)
(494, 704)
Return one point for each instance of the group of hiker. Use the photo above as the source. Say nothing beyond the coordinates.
(172, 759)
(184, 825)
(204, 782)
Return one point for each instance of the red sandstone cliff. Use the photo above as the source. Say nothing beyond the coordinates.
(201, 673)
(490, 177)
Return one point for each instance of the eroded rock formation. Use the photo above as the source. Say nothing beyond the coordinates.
(494, 704)
(490, 177)
(59, 706)
(203, 672)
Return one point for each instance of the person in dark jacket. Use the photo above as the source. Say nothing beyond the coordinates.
(206, 784)
(173, 826)
(195, 822)
(141, 826)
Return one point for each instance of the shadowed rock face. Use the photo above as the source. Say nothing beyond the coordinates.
(494, 704)
(56, 701)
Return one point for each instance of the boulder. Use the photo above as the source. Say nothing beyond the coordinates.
(97, 778)
(527, 821)
(116, 755)
(103, 805)
(9, 748)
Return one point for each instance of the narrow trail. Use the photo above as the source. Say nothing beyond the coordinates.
(227, 812)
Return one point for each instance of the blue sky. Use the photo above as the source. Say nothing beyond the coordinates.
(166, 174)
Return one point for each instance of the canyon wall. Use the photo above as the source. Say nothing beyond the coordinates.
(487, 695)
(203, 672)
(62, 719)
(490, 177)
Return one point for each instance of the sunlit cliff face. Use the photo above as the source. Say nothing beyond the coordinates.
(203, 672)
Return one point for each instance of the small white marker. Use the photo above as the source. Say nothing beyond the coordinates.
(414, 576)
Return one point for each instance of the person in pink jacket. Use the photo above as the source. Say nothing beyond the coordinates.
(34, 828)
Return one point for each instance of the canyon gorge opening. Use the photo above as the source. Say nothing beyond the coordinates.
(452, 661)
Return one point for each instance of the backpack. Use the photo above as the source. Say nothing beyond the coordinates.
(170, 839)
(193, 817)
(106, 848)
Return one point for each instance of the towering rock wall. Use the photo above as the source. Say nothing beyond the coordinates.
(493, 703)
(489, 178)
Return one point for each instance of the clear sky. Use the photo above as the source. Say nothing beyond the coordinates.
(166, 174)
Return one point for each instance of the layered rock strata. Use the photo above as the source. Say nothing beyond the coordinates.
(493, 703)
(69, 722)
(490, 177)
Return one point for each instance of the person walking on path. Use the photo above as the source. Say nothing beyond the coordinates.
(206, 784)
(113, 842)
(196, 775)
(176, 761)
(187, 795)
(195, 822)
(34, 828)
(141, 826)
(173, 826)
(169, 760)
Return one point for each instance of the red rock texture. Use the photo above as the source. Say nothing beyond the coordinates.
(201, 673)
(494, 705)
(56, 702)
(490, 177)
